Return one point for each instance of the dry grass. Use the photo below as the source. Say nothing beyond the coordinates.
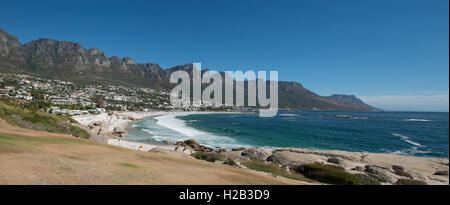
(35, 157)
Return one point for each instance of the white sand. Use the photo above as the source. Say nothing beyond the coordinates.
(138, 146)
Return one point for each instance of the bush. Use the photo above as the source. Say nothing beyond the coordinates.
(32, 119)
(78, 132)
(199, 155)
(366, 180)
(275, 170)
(410, 182)
(208, 156)
(328, 174)
(230, 162)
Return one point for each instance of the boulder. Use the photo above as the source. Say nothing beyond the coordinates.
(256, 153)
(119, 130)
(235, 155)
(194, 145)
(364, 179)
(191, 142)
(184, 149)
(358, 168)
(239, 149)
(335, 160)
(221, 150)
(398, 168)
(419, 176)
(381, 174)
(441, 172)
(96, 130)
(294, 159)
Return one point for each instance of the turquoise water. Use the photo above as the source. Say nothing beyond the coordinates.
(410, 133)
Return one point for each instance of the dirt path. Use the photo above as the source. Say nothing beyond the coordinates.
(33, 157)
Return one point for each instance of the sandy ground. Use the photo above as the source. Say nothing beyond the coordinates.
(138, 146)
(34, 157)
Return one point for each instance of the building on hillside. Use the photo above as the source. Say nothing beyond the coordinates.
(3, 93)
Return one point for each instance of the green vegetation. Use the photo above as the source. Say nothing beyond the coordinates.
(230, 162)
(18, 143)
(128, 165)
(366, 180)
(410, 182)
(328, 174)
(209, 156)
(78, 132)
(18, 115)
(260, 165)
(7, 144)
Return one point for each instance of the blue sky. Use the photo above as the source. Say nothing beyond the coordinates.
(393, 54)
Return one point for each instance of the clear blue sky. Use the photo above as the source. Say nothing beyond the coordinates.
(383, 51)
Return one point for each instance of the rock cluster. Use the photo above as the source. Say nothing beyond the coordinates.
(192, 145)
(375, 168)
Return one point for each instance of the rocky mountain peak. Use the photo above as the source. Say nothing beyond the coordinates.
(9, 45)
(128, 60)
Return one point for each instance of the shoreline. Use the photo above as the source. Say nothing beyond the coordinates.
(382, 165)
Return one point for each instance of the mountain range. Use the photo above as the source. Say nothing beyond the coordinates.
(70, 61)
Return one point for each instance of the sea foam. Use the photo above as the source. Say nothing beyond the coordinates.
(417, 120)
(406, 139)
(183, 132)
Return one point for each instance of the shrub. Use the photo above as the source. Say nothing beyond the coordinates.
(275, 170)
(230, 162)
(208, 156)
(78, 132)
(410, 182)
(199, 155)
(32, 119)
(328, 174)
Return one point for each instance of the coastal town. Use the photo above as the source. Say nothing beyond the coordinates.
(67, 98)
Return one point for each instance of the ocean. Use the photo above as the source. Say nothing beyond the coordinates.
(408, 133)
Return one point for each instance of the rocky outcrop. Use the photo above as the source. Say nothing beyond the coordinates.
(119, 131)
(295, 159)
(442, 173)
(184, 149)
(335, 160)
(381, 174)
(194, 145)
(11, 48)
(256, 153)
(235, 155)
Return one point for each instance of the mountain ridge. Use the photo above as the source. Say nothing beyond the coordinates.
(66, 60)
(350, 99)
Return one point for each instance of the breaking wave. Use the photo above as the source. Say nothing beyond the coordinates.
(180, 131)
(417, 120)
(406, 139)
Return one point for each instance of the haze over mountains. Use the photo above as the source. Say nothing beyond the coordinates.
(70, 61)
